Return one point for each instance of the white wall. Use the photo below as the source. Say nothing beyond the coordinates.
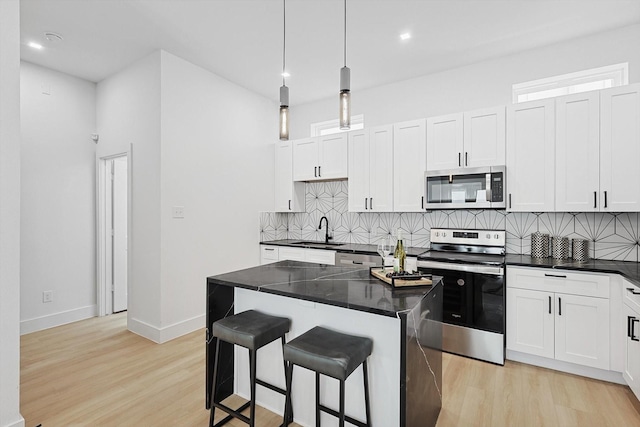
(58, 116)
(217, 162)
(128, 112)
(484, 84)
(10, 214)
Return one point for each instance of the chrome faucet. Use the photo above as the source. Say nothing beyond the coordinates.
(326, 223)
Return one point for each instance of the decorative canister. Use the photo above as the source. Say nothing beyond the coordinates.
(580, 249)
(560, 247)
(539, 245)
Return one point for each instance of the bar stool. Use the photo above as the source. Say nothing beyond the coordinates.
(253, 330)
(333, 354)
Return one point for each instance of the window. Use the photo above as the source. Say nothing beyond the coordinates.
(333, 126)
(581, 81)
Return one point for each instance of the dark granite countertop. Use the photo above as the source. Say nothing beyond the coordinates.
(342, 286)
(628, 269)
(355, 248)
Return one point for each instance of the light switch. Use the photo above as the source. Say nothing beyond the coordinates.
(178, 211)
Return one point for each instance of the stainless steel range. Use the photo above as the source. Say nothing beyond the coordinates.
(472, 266)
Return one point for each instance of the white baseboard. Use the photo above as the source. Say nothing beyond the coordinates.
(57, 319)
(571, 368)
(162, 335)
(17, 423)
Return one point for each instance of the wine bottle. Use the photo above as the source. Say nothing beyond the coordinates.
(399, 255)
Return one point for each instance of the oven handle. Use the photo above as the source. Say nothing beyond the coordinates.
(471, 268)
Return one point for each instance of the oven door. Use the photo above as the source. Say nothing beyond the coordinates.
(473, 294)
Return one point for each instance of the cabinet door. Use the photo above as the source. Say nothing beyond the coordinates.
(445, 148)
(484, 137)
(289, 195)
(582, 330)
(620, 148)
(530, 156)
(333, 156)
(359, 171)
(631, 372)
(577, 152)
(381, 169)
(530, 322)
(268, 254)
(291, 254)
(305, 159)
(409, 165)
(319, 256)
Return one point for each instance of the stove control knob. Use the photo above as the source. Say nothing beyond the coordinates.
(488, 236)
(496, 236)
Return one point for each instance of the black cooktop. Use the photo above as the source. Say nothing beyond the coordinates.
(462, 258)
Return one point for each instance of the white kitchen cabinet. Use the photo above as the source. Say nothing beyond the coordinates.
(484, 138)
(531, 156)
(470, 139)
(620, 148)
(445, 142)
(577, 153)
(320, 158)
(559, 315)
(269, 254)
(409, 165)
(371, 170)
(631, 372)
(318, 256)
(289, 195)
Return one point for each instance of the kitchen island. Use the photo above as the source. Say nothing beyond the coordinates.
(405, 368)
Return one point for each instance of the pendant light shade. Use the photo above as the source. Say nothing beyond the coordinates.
(345, 83)
(284, 90)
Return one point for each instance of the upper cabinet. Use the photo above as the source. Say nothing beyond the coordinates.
(620, 148)
(289, 195)
(371, 170)
(470, 139)
(577, 152)
(409, 165)
(530, 156)
(320, 158)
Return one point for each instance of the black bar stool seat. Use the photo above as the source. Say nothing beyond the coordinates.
(330, 353)
(250, 329)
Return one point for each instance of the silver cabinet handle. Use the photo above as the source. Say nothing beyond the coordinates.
(269, 249)
(595, 199)
(459, 159)
(370, 202)
(315, 171)
(509, 200)
(289, 204)
(365, 203)
(605, 199)
(633, 291)
(466, 158)
(559, 306)
(319, 174)
(561, 276)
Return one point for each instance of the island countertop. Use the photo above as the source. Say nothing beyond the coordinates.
(342, 286)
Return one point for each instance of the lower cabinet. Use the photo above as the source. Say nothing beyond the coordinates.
(269, 254)
(631, 311)
(543, 319)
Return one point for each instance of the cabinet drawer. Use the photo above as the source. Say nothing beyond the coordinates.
(269, 253)
(292, 254)
(631, 295)
(320, 257)
(557, 280)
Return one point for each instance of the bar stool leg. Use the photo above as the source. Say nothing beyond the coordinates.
(288, 406)
(286, 402)
(317, 399)
(366, 391)
(252, 379)
(213, 383)
(341, 403)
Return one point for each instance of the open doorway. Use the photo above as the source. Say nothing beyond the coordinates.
(113, 233)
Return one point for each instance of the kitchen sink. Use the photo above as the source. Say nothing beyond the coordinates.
(316, 243)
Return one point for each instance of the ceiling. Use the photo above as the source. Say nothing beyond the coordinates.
(241, 40)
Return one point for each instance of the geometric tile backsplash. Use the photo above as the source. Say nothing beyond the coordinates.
(612, 235)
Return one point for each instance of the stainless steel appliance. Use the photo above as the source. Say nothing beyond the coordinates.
(472, 266)
(466, 188)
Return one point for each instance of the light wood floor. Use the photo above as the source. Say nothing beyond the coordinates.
(96, 373)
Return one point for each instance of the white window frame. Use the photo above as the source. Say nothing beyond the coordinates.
(333, 126)
(581, 81)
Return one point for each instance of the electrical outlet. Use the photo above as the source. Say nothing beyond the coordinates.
(178, 211)
(47, 296)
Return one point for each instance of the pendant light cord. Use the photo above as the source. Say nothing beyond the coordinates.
(345, 33)
(284, 36)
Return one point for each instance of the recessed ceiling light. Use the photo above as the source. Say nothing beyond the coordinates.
(285, 74)
(35, 45)
(405, 36)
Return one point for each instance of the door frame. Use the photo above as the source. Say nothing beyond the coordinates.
(103, 243)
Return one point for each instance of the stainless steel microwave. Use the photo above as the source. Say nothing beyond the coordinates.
(468, 188)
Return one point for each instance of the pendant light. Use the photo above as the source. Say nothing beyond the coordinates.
(345, 83)
(284, 90)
